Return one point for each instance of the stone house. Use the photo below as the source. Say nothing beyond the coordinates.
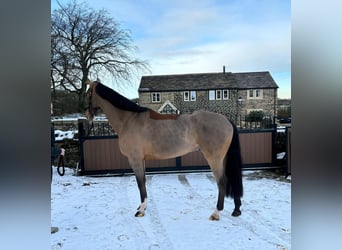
(231, 94)
(284, 103)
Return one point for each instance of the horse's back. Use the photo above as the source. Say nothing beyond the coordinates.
(211, 120)
(210, 127)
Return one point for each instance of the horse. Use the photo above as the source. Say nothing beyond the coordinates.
(144, 136)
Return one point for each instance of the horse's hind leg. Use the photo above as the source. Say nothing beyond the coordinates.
(221, 184)
(237, 210)
(217, 169)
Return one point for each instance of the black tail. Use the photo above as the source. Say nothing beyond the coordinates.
(234, 187)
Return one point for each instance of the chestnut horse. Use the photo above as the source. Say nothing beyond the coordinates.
(145, 136)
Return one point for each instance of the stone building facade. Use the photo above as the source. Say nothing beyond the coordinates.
(231, 94)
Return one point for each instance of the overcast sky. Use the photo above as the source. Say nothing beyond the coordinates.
(200, 36)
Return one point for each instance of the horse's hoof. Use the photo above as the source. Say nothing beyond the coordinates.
(236, 213)
(214, 217)
(139, 214)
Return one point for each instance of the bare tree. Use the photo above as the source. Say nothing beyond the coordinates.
(86, 42)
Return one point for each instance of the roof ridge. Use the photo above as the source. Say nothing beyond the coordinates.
(213, 80)
(208, 73)
(185, 74)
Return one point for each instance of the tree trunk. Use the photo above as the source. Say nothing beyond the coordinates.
(82, 96)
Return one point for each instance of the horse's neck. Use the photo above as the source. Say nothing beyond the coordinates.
(116, 117)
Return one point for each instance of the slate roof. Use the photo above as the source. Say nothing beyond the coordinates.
(205, 81)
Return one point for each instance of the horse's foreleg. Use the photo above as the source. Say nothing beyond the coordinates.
(141, 209)
(141, 181)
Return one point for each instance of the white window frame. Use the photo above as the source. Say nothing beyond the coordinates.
(225, 94)
(218, 94)
(186, 96)
(193, 95)
(155, 97)
(211, 95)
(250, 94)
(255, 94)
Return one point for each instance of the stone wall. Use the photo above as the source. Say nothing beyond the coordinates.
(229, 108)
(267, 103)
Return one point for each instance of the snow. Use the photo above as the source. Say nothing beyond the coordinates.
(61, 135)
(281, 155)
(98, 213)
(75, 117)
(281, 129)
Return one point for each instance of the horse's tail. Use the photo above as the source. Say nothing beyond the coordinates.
(234, 187)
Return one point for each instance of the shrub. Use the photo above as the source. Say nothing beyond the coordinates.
(255, 116)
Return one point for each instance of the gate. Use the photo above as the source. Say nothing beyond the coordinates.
(101, 154)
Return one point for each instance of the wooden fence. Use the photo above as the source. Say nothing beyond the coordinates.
(101, 155)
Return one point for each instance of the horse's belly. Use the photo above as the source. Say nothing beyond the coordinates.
(167, 152)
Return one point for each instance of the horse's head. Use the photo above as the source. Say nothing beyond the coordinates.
(92, 100)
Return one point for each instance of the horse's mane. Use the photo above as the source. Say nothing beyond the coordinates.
(118, 100)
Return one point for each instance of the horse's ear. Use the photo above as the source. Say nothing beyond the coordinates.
(89, 83)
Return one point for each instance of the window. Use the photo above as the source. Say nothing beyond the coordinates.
(193, 96)
(186, 96)
(251, 93)
(211, 95)
(254, 94)
(218, 94)
(225, 94)
(155, 97)
(189, 95)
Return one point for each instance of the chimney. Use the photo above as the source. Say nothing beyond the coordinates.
(224, 69)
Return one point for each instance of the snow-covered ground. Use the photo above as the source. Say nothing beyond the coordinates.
(98, 213)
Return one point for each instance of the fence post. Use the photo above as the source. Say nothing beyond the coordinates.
(83, 127)
(274, 136)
